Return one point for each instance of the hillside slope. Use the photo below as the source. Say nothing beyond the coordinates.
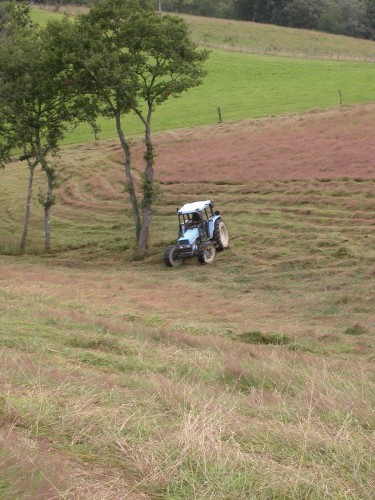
(245, 85)
(258, 38)
(249, 378)
(310, 147)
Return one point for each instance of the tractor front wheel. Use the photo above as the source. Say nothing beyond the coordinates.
(171, 258)
(206, 254)
(221, 235)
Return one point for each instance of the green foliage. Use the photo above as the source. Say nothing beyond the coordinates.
(13, 17)
(150, 190)
(13, 20)
(131, 59)
(302, 14)
(37, 103)
(35, 100)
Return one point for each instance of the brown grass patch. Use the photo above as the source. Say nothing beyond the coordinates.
(304, 146)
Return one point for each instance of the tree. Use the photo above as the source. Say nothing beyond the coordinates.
(132, 60)
(260, 11)
(37, 109)
(354, 18)
(370, 15)
(168, 64)
(12, 18)
(347, 17)
(302, 13)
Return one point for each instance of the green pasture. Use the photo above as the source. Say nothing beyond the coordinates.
(250, 86)
(42, 16)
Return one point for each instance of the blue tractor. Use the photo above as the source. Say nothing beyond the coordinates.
(201, 233)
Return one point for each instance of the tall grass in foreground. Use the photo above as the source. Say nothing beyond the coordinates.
(171, 421)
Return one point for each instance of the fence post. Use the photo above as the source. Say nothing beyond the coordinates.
(219, 113)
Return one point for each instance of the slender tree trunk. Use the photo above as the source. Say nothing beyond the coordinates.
(47, 211)
(148, 191)
(57, 6)
(256, 8)
(129, 176)
(254, 13)
(49, 200)
(28, 207)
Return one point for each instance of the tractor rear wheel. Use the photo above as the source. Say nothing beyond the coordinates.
(206, 254)
(171, 258)
(221, 235)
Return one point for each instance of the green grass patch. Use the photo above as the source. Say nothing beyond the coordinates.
(253, 86)
(42, 16)
(255, 337)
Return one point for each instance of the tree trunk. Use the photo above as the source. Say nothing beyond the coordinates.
(256, 10)
(28, 206)
(129, 176)
(57, 6)
(49, 200)
(148, 191)
(47, 212)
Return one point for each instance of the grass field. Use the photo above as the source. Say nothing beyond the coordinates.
(269, 39)
(250, 378)
(245, 85)
(258, 38)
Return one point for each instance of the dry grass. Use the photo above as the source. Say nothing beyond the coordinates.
(255, 38)
(251, 378)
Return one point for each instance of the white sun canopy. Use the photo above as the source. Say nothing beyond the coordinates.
(197, 206)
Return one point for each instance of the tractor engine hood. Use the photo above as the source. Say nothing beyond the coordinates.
(190, 236)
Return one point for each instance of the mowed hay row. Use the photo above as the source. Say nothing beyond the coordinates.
(313, 147)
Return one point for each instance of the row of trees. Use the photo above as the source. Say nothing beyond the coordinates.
(120, 58)
(348, 17)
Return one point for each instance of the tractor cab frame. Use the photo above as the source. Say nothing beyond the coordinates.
(201, 232)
